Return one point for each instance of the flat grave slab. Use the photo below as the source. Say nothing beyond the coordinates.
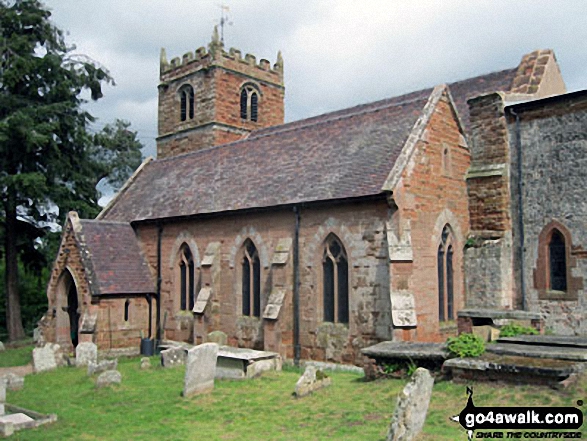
(511, 369)
(18, 419)
(547, 340)
(241, 363)
(539, 351)
(407, 350)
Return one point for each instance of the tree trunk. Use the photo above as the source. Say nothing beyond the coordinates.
(13, 316)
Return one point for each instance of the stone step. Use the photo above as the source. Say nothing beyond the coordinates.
(546, 340)
(538, 351)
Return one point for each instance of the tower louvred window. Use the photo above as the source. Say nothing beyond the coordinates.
(249, 103)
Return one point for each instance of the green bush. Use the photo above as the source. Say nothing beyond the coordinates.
(513, 329)
(466, 345)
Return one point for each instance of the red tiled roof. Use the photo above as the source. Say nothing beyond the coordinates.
(343, 154)
(339, 155)
(113, 260)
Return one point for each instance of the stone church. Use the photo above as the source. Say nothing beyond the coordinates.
(314, 238)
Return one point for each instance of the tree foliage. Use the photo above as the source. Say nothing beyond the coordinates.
(48, 158)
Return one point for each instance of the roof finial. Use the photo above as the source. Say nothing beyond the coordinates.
(163, 58)
(223, 21)
(215, 37)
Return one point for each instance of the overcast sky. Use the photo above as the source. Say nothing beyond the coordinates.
(337, 53)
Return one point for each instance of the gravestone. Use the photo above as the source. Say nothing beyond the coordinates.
(200, 369)
(312, 379)
(2, 348)
(86, 353)
(103, 366)
(13, 381)
(108, 378)
(218, 337)
(175, 356)
(2, 394)
(412, 406)
(47, 358)
(145, 363)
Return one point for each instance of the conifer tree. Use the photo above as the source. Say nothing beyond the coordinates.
(48, 158)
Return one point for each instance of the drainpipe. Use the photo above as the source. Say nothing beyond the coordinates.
(520, 207)
(150, 302)
(159, 234)
(296, 288)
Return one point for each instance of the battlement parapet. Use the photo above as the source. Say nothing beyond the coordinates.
(215, 55)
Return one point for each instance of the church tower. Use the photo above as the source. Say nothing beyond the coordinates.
(213, 97)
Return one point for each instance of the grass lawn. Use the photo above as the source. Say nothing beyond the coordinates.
(148, 406)
(16, 357)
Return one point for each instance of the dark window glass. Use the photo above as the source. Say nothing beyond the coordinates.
(558, 262)
(183, 98)
(449, 284)
(183, 285)
(246, 287)
(191, 103)
(126, 308)
(440, 263)
(251, 291)
(254, 106)
(328, 269)
(244, 103)
(256, 286)
(336, 282)
(191, 285)
(343, 291)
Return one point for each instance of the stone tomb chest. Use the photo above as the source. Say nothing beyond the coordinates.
(240, 363)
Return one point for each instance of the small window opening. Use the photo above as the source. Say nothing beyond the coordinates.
(335, 281)
(251, 281)
(186, 96)
(126, 310)
(249, 104)
(558, 262)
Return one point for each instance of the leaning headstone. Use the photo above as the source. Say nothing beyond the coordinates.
(200, 369)
(103, 366)
(412, 406)
(2, 348)
(86, 353)
(47, 358)
(13, 381)
(145, 363)
(108, 378)
(311, 380)
(218, 337)
(173, 357)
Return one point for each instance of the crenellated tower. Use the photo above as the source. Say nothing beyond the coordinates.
(212, 97)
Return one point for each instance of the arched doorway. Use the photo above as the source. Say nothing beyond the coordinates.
(68, 312)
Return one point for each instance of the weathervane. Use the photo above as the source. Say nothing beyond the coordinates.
(224, 20)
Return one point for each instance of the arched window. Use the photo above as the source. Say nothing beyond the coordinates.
(186, 278)
(335, 281)
(557, 261)
(251, 280)
(249, 103)
(126, 310)
(186, 98)
(444, 262)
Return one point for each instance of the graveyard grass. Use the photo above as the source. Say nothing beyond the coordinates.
(148, 406)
